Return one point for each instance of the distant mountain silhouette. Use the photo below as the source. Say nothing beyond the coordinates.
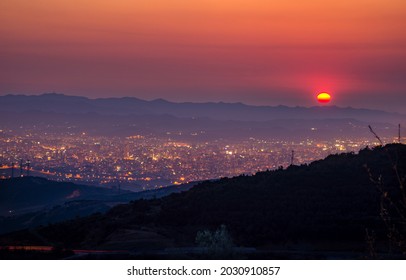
(320, 210)
(221, 111)
(188, 121)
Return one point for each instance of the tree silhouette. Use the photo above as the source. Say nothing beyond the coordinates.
(217, 244)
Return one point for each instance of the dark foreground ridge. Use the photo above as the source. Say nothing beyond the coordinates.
(29, 202)
(344, 207)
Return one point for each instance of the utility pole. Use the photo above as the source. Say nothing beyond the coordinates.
(12, 170)
(399, 133)
(292, 157)
(21, 168)
(28, 167)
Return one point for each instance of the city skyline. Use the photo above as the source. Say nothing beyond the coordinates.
(259, 53)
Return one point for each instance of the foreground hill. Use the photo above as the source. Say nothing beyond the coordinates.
(330, 208)
(24, 194)
(27, 202)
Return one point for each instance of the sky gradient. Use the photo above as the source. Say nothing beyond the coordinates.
(257, 52)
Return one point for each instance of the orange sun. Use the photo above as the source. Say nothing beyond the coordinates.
(323, 97)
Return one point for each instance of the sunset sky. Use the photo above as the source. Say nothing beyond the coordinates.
(253, 51)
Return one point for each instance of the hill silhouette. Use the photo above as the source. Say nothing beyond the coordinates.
(53, 102)
(27, 202)
(24, 194)
(58, 113)
(329, 208)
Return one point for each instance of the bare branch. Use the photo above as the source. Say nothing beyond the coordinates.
(376, 135)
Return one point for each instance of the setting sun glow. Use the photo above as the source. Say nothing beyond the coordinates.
(323, 97)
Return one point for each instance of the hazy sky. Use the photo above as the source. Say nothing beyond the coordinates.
(255, 51)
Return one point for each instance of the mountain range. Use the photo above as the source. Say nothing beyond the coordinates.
(203, 121)
(60, 103)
